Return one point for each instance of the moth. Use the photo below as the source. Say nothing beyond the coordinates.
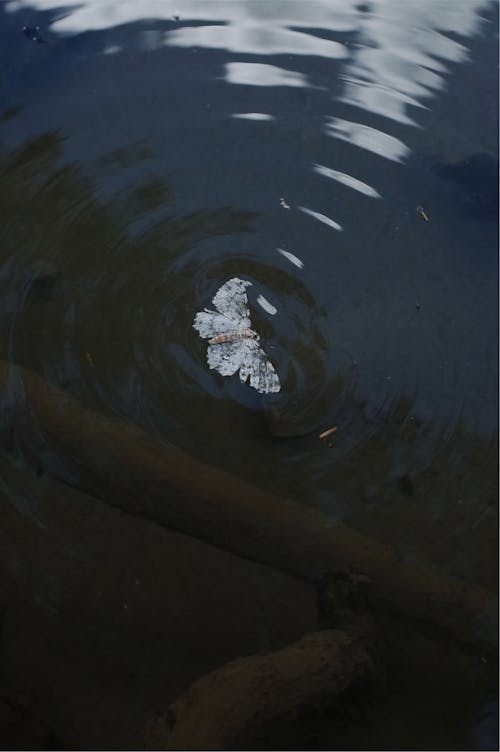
(232, 344)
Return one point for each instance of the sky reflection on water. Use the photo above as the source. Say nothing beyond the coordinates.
(396, 54)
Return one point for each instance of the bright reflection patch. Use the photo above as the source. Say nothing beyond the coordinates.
(291, 257)
(232, 344)
(266, 305)
(367, 138)
(321, 218)
(351, 182)
(252, 116)
(261, 74)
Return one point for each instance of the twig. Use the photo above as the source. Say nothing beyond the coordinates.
(327, 433)
(422, 213)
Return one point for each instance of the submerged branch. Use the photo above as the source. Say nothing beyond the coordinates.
(120, 464)
(230, 707)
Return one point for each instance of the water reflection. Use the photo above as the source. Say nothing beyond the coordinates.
(321, 218)
(391, 57)
(402, 54)
(252, 38)
(380, 100)
(291, 257)
(266, 305)
(348, 180)
(260, 74)
(256, 24)
(133, 359)
(252, 116)
(368, 138)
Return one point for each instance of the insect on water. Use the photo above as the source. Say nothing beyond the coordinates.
(232, 344)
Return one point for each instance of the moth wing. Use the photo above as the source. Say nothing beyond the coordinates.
(226, 357)
(258, 368)
(231, 301)
(210, 324)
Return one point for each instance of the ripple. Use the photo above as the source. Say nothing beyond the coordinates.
(348, 180)
(257, 116)
(319, 399)
(402, 54)
(379, 99)
(261, 74)
(292, 258)
(321, 218)
(266, 305)
(368, 138)
(244, 26)
(256, 39)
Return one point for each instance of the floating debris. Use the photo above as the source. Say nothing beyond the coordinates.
(284, 204)
(232, 343)
(324, 436)
(90, 359)
(422, 213)
(327, 433)
(33, 33)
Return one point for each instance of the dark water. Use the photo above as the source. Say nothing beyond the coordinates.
(145, 160)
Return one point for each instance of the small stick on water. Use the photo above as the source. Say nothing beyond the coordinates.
(327, 433)
(324, 436)
(422, 213)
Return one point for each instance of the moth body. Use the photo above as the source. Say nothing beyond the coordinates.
(233, 336)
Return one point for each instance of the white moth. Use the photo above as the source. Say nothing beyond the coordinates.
(232, 344)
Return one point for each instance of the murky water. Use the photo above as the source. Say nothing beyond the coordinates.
(342, 157)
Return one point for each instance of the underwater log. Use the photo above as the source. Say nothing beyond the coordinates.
(226, 707)
(120, 464)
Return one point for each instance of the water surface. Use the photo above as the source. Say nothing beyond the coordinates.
(150, 151)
